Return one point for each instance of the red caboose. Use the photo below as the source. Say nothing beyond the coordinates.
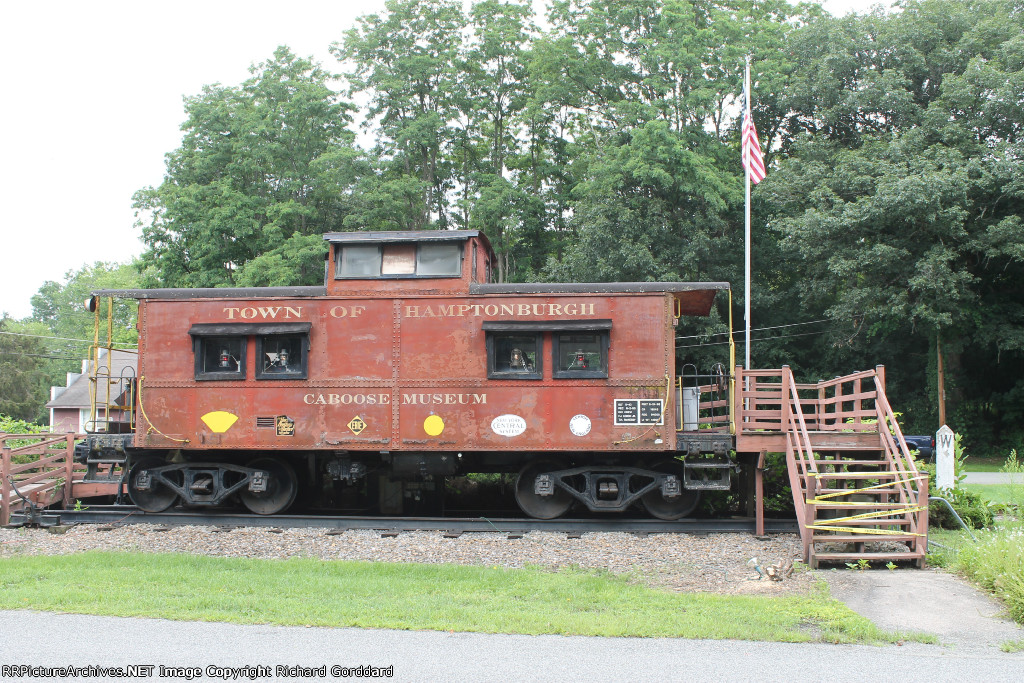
(409, 366)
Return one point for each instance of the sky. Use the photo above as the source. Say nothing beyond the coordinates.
(92, 103)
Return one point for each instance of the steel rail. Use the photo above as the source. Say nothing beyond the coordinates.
(115, 515)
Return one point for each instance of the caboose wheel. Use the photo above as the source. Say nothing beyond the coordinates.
(536, 505)
(675, 507)
(281, 487)
(154, 496)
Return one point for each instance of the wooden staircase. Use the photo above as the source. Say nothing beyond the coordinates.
(857, 492)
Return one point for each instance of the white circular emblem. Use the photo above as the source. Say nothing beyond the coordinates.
(579, 425)
(508, 425)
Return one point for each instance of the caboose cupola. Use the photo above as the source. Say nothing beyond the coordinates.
(437, 261)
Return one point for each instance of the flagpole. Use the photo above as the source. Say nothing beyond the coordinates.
(746, 234)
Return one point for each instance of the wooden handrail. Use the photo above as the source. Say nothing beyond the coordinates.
(42, 462)
(56, 467)
(27, 448)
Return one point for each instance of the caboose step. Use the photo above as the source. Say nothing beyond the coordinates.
(858, 475)
(848, 557)
(860, 538)
(850, 505)
(872, 521)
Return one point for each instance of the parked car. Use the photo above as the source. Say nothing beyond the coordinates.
(924, 445)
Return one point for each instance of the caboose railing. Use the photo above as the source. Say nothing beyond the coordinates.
(843, 404)
(712, 399)
(111, 397)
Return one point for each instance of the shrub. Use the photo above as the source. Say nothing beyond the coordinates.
(12, 425)
(997, 563)
(972, 508)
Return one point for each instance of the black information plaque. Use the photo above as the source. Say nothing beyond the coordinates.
(626, 412)
(650, 411)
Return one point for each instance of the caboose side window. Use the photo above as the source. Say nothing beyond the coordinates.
(514, 356)
(280, 356)
(359, 261)
(580, 354)
(220, 348)
(220, 358)
(439, 260)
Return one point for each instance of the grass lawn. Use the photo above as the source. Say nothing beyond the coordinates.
(412, 596)
(976, 464)
(998, 493)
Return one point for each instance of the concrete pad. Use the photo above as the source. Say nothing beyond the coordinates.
(925, 601)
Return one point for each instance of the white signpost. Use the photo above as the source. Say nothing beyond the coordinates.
(944, 458)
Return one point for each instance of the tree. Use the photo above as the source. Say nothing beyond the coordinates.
(907, 216)
(245, 181)
(21, 381)
(59, 334)
(405, 61)
(60, 306)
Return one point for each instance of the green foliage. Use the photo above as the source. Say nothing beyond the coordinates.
(778, 495)
(60, 306)
(1015, 487)
(64, 330)
(22, 381)
(245, 182)
(1013, 646)
(13, 425)
(975, 511)
(993, 561)
(996, 562)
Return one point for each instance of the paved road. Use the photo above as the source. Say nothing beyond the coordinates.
(34, 638)
(994, 478)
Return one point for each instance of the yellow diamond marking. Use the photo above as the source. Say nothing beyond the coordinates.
(357, 425)
(219, 421)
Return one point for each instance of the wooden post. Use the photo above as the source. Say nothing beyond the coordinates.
(942, 381)
(739, 415)
(5, 486)
(786, 406)
(759, 495)
(69, 469)
(922, 527)
(820, 408)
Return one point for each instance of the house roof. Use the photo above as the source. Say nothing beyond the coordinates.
(123, 364)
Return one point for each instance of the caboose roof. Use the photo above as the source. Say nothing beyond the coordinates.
(215, 293)
(404, 236)
(696, 298)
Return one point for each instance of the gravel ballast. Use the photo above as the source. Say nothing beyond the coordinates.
(716, 563)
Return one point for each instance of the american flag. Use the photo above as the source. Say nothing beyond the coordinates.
(752, 159)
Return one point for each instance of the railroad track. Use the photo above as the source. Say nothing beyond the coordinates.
(116, 515)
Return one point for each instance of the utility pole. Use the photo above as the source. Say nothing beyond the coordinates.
(942, 381)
